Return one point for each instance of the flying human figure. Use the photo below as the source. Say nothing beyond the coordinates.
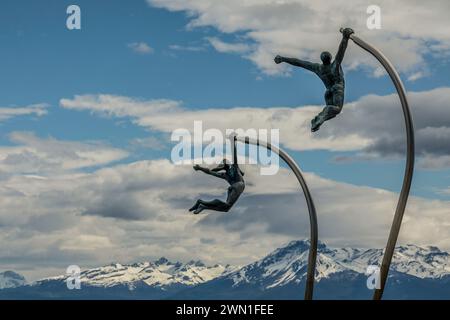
(233, 175)
(332, 76)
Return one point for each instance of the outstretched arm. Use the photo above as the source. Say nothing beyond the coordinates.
(298, 63)
(210, 172)
(343, 46)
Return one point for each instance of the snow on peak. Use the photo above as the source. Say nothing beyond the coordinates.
(284, 265)
(160, 273)
(289, 263)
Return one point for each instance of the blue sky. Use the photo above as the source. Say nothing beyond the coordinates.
(42, 62)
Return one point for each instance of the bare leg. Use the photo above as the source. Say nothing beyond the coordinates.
(334, 99)
(216, 205)
(329, 112)
(234, 192)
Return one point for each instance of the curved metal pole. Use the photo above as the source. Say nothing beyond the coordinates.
(396, 224)
(311, 208)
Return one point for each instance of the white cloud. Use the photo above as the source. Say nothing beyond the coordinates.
(35, 109)
(165, 116)
(119, 106)
(148, 143)
(303, 28)
(416, 76)
(32, 154)
(226, 47)
(140, 47)
(372, 125)
(139, 211)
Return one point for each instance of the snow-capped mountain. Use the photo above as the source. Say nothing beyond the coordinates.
(416, 273)
(10, 279)
(146, 280)
(159, 274)
(288, 264)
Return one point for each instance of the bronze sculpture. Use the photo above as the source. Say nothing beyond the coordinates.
(233, 175)
(332, 76)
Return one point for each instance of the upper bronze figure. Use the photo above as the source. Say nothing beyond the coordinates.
(332, 76)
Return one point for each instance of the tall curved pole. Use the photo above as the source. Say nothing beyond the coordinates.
(409, 169)
(311, 208)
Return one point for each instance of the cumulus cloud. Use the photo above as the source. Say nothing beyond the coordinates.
(119, 106)
(303, 28)
(166, 116)
(140, 47)
(35, 109)
(32, 154)
(138, 211)
(373, 125)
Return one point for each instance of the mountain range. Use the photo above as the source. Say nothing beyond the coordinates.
(416, 273)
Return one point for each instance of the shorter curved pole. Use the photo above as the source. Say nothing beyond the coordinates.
(311, 208)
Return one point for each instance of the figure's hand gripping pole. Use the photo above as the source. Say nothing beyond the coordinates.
(233, 141)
